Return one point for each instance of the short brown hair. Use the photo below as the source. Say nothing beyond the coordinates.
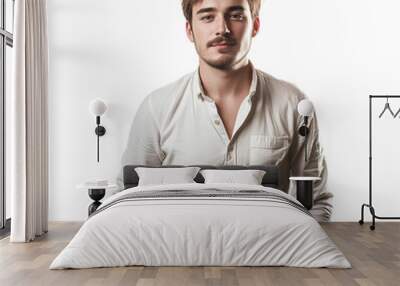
(187, 6)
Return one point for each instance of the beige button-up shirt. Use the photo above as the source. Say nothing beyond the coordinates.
(179, 125)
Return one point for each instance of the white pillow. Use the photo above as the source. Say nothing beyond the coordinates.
(248, 177)
(164, 176)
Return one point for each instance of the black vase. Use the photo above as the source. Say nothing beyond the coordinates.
(305, 193)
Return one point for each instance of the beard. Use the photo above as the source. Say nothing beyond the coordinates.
(225, 62)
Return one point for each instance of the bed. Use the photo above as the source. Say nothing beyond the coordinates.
(201, 224)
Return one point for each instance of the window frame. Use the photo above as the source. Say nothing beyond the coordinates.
(6, 39)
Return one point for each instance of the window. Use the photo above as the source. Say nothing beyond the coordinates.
(6, 44)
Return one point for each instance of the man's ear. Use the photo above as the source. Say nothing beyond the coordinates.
(189, 31)
(256, 26)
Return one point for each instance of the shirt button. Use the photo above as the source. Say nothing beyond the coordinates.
(216, 122)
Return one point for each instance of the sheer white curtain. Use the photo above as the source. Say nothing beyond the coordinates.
(29, 123)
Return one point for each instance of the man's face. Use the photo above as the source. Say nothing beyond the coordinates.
(222, 31)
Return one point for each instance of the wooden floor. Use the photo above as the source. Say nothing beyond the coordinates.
(375, 257)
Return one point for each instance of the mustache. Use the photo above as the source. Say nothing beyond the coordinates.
(220, 39)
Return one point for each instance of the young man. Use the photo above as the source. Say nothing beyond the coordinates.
(227, 112)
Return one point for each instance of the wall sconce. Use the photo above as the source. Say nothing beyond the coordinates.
(306, 109)
(97, 107)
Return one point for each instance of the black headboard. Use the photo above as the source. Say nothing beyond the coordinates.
(270, 179)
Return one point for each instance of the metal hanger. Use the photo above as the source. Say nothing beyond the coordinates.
(387, 107)
(397, 113)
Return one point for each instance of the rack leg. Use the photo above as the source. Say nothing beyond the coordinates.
(361, 221)
(372, 210)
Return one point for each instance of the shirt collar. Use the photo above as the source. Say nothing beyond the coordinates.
(199, 91)
(198, 87)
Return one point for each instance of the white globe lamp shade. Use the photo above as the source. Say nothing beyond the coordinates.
(97, 107)
(305, 108)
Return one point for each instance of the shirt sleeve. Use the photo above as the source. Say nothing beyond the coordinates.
(143, 145)
(315, 167)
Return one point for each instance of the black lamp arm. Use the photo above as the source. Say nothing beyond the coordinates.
(100, 131)
(304, 131)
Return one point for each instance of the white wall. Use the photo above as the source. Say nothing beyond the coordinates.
(337, 52)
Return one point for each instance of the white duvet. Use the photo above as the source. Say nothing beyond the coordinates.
(217, 231)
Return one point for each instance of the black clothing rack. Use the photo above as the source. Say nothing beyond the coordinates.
(369, 205)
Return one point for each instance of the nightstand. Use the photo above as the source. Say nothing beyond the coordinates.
(304, 190)
(96, 193)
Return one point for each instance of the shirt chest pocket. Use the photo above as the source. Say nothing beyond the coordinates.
(268, 150)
